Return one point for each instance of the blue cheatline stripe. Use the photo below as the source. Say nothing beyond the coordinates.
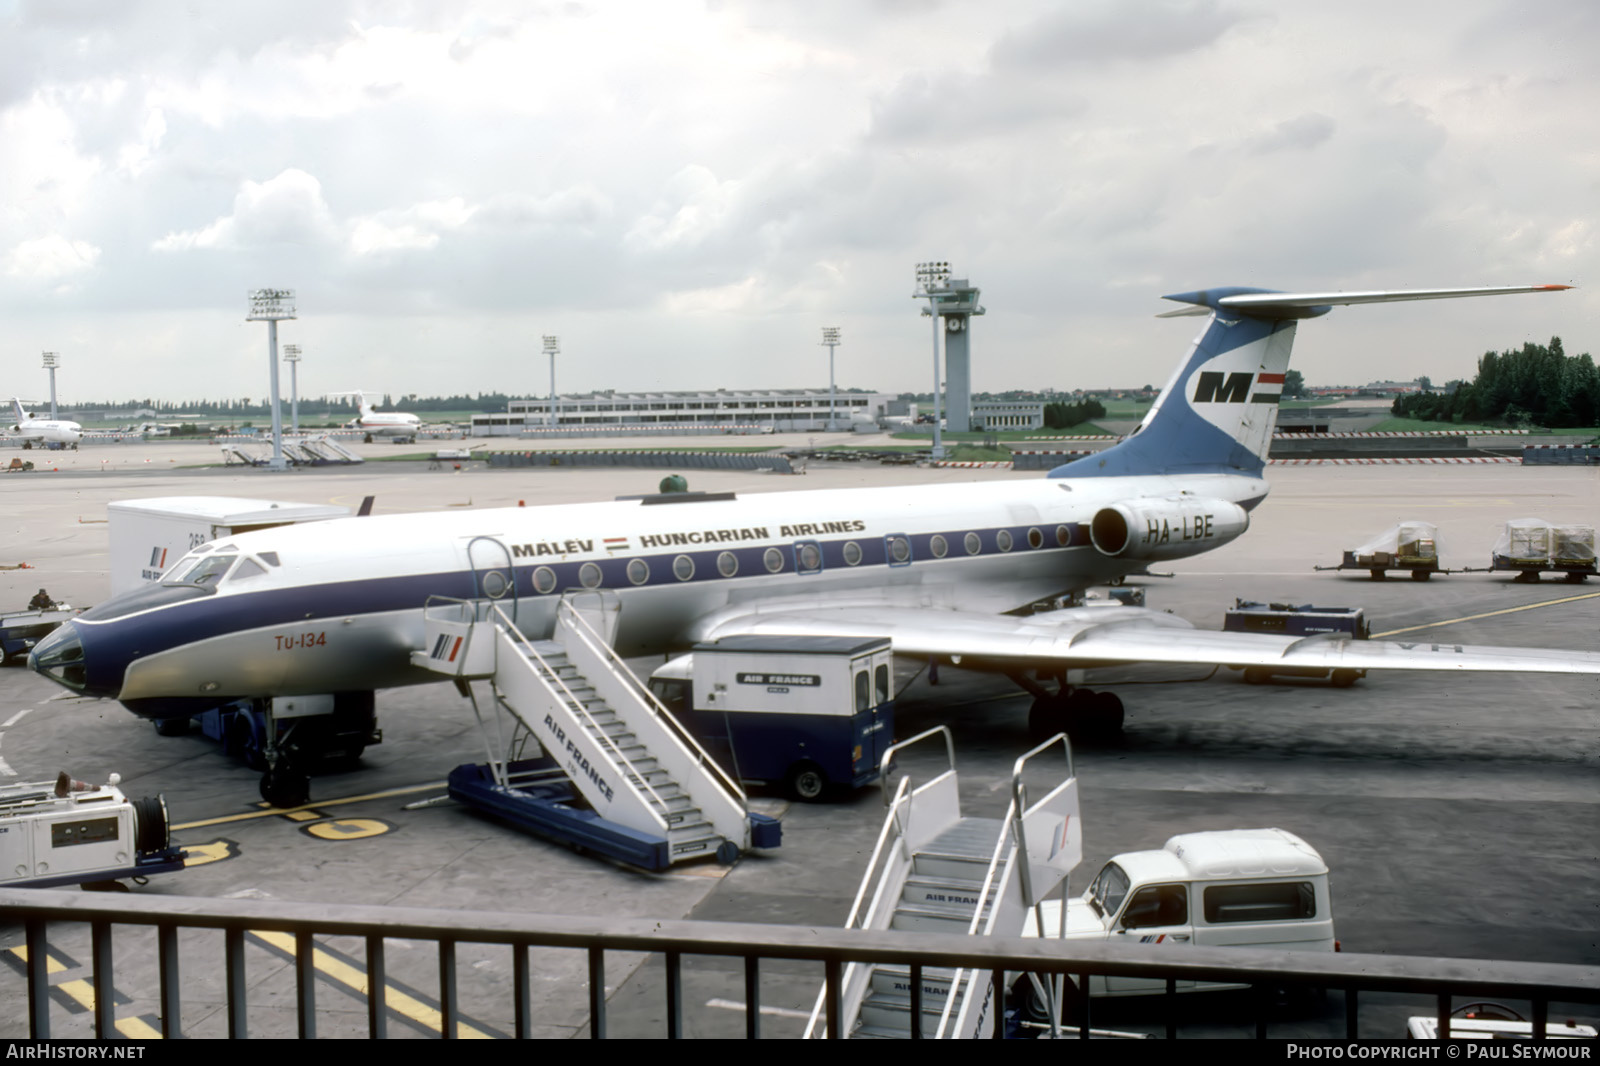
(109, 647)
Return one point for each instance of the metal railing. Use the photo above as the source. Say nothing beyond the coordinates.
(35, 909)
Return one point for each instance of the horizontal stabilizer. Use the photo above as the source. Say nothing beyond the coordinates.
(1259, 303)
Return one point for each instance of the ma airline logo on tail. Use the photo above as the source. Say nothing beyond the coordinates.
(1215, 387)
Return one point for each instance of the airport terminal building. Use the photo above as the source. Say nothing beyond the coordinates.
(784, 410)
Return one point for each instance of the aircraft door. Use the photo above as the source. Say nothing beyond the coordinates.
(494, 577)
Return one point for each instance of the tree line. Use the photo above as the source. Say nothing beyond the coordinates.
(1539, 385)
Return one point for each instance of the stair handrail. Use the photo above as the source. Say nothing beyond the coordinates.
(548, 677)
(652, 703)
(873, 875)
(990, 883)
(1019, 804)
(883, 774)
(1016, 814)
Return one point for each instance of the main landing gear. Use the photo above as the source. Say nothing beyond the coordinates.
(1082, 714)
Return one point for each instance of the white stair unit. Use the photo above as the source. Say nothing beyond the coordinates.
(626, 754)
(935, 870)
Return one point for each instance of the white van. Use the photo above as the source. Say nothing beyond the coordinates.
(1258, 888)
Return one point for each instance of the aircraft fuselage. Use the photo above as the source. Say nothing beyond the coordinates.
(336, 606)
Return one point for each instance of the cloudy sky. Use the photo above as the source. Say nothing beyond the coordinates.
(687, 191)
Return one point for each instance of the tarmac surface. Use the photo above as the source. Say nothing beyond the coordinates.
(1456, 813)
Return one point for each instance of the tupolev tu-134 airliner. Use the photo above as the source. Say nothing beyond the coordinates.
(947, 573)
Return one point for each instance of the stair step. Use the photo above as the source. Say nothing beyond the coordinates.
(947, 891)
(930, 922)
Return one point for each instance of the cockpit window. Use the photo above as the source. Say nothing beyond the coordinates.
(270, 558)
(248, 568)
(205, 571)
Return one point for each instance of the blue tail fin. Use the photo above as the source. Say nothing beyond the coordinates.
(1217, 413)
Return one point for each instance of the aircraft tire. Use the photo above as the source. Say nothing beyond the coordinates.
(1107, 714)
(171, 727)
(1048, 716)
(805, 781)
(284, 786)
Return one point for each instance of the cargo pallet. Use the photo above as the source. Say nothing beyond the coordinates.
(1378, 565)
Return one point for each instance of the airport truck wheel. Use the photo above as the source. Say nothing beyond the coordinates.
(285, 787)
(1377, 575)
(1256, 676)
(806, 782)
(1343, 678)
(1574, 578)
(171, 727)
(1421, 575)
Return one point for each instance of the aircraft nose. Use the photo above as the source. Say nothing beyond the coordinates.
(59, 657)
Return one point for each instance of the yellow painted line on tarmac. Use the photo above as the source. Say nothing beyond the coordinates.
(279, 812)
(82, 992)
(1489, 614)
(355, 979)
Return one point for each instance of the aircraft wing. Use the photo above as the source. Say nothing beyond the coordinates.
(1087, 637)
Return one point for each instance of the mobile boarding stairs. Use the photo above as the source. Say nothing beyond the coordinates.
(617, 775)
(934, 870)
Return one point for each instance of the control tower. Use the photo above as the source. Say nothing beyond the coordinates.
(957, 303)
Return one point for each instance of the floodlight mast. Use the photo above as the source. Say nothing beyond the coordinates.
(830, 337)
(552, 348)
(51, 361)
(291, 355)
(931, 277)
(272, 306)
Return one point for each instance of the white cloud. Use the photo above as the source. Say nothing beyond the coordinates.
(50, 259)
(416, 227)
(288, 209)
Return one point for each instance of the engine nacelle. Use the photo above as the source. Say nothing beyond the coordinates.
(1168, 528)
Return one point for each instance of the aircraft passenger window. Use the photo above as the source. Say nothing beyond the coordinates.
(638, 571)
(1002, 540)
(899, 550)
(808, 558)
(683, 568)
(880, 677)
(1035, 539)
(494, 584)
(973, 543)
(939, 546)
(727, 564)
(774, 560)
(544, 580)
(852, 553)
(862, 691)
(589, 576)
(1063, 536)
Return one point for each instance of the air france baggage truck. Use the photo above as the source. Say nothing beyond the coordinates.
(804, 712)
(147, 536)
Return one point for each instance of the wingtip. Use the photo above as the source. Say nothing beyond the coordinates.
(1554, 288)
